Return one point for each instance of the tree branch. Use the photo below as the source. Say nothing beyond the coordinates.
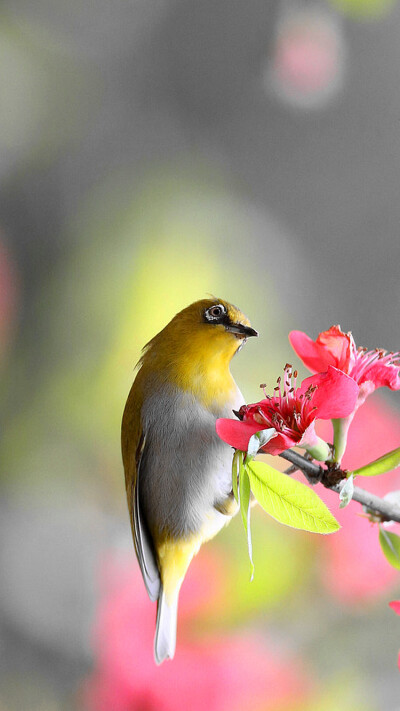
(315, 473)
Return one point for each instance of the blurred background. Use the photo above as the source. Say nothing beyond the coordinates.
(151, 152)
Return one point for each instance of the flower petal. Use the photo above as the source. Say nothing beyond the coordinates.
(279, 444)
(382, 374)
(332, 347)
(366, 388)
(340, 345)
(335, 396)
(313, 357)
(236, 433)
(309, 437)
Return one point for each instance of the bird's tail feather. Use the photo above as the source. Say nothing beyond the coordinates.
(165, 638)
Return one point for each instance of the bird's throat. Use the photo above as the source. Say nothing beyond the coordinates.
(208, 378)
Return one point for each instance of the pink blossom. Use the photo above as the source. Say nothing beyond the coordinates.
(292, 411)
(307, 65)
(352, 564)
(395, 605)
(223, 673)
(370, 369)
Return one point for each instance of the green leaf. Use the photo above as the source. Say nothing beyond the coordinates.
(244, 500)
(258, 440)
(289, 501)
(389, 461)
(346, 492)
(244, 496)
(390, 544)
(235, 473)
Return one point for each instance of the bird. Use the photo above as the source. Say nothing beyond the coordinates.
(177, 471)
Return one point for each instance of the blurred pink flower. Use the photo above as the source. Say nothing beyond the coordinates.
(306, 65)
(369, 369)
(224, 673)
(306, 61)
(292, 412)
(353, 566)
(395, 605)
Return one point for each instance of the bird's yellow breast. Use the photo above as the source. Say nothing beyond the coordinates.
(203, 367)
(198, 362)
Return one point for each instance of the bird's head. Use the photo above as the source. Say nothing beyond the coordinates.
(224, 321)
(211, 326)
(195, 348)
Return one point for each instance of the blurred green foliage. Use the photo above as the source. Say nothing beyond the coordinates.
(364, 9)
(282, 559)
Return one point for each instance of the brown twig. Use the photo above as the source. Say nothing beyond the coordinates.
(330, 478)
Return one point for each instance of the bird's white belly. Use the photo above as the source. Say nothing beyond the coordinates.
(187, 469)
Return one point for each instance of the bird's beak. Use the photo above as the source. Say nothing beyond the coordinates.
(241, 330)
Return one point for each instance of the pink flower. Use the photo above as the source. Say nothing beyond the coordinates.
(292, 411)
(307, 63)
(395, 605)
(369, 369)
(224, 673)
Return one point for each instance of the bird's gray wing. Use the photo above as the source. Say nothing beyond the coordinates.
(143, 541)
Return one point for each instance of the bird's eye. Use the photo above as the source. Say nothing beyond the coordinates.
(215, 312)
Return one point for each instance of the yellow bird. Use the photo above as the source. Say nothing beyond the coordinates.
(177, 471)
